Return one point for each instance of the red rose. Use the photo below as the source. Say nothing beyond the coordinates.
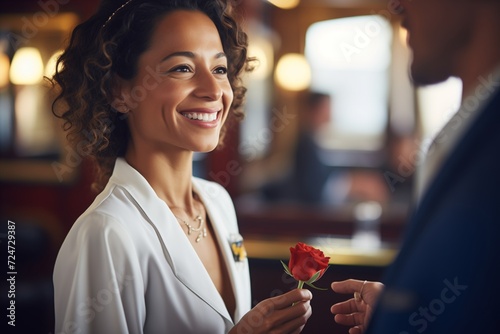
(306, 261)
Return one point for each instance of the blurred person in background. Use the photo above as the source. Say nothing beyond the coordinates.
(312, 180)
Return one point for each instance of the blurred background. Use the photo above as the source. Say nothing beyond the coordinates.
(327, 154)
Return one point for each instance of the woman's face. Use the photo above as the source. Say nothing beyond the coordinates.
(181, 95)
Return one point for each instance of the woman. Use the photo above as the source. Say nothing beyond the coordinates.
(143, 85)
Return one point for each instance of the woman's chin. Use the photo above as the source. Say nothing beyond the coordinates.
(207, 148)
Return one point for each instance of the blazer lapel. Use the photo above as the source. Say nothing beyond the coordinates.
(484, 126)
(179, 253)
(188, 267)
(223, 237)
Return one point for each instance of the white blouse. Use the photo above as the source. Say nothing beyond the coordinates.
(126, 266)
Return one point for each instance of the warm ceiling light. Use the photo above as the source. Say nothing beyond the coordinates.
(262, 50)
(293, 72)
(285, 4)
(50, 67)
(4, 70)
(26, 67)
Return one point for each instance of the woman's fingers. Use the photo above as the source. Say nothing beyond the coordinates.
(290, 310)
(284, 301)
(296, 323)
(291, 297)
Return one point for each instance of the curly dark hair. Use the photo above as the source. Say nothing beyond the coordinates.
(108, 45)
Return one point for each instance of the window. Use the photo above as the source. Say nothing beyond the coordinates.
(350, 59)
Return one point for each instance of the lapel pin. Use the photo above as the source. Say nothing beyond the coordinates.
(237, 247)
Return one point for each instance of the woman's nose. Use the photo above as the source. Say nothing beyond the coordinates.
(208, 86)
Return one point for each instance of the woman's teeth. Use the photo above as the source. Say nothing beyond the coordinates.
(204, 117)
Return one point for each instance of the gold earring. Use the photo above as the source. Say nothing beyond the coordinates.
(120, 106)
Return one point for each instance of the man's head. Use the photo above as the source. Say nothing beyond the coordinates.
(317, 112)
(439, 33)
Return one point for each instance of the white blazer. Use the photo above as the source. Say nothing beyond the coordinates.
(126, 266)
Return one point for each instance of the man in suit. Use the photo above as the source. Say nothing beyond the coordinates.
(444, 279)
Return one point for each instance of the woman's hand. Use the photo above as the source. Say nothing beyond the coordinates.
(356, 312)
(284, 314)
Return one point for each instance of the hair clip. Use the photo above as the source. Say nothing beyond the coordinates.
(116, 11)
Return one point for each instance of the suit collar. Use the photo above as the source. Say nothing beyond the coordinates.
(484, 126)
(480, 132)
(184, 261)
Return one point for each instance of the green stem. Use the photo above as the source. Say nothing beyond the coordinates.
(299, 286)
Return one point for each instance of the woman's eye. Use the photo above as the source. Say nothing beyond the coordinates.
(221, 70)
(182, 69)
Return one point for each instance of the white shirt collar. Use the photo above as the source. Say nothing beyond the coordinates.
(449, 136)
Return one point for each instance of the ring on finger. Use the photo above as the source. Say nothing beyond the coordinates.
(358, 296)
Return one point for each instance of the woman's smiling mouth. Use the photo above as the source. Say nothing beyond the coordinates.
(198, 116)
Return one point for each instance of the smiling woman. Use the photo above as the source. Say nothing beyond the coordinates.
(194, 88)
(154, 252)
(92, 101)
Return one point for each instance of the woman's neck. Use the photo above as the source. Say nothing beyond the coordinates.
(170, 176)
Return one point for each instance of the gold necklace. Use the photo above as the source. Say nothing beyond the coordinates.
(201, 230)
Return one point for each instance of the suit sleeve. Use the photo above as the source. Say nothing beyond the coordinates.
(97, 280)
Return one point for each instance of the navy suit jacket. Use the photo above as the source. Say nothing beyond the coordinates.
(445, 278)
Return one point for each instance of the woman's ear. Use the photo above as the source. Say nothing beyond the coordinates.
(120, 97)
